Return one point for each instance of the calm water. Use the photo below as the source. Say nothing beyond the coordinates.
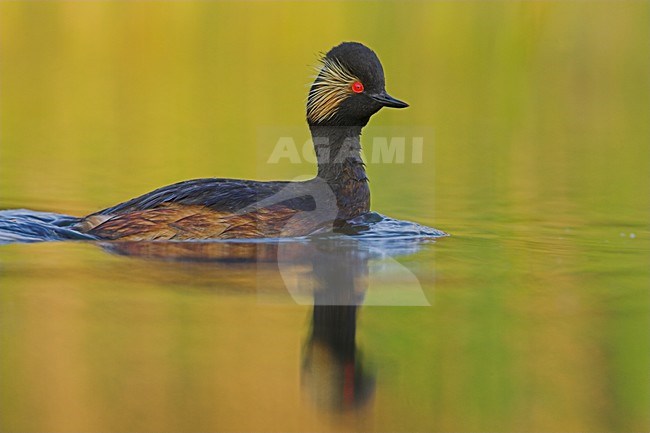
(533, 316)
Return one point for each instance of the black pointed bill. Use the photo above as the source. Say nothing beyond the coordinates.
(388, 101)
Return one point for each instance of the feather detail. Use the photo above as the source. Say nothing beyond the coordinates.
(182, 222)
(331, 87)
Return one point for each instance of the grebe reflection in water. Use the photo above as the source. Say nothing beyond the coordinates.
(337, 273)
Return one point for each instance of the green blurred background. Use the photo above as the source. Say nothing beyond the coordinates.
(539, 169)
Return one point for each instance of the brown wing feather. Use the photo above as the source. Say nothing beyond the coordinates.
(182, 222)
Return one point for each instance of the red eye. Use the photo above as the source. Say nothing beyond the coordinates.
(357, 87)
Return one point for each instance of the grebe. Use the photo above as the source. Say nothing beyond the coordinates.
(347, 91)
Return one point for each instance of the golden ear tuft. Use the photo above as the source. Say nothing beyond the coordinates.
(331, 87)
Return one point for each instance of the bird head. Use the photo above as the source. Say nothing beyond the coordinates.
(349, 87)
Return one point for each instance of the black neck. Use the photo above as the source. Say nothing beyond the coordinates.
(338, 150)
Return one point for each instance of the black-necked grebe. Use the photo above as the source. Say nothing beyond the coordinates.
(347, 91)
